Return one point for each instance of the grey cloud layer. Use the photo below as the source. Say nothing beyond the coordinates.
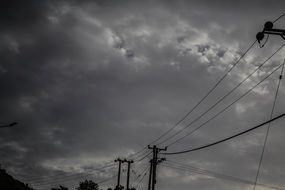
(91, 80)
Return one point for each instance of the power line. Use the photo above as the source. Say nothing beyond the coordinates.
(60, 176)
(141, 165)
(216, 175)
(223, 140)
(146, 156)
(224, 109)
(222, 98)
(140, 175)
(210, 91)
(138, 184)
(143, 157)
(99, 182)
(70, 179)
(192, 169)
(139, 157)
(138, 152)
(279, 17)
(105, 180)
(64, 176)
(207, 94)
(56, 180)
(62, 179)
(268, 128)
(106, 164)
(70, 176)
(52, 177)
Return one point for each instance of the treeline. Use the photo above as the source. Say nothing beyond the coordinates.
(7, 182)
(84, 185)
(89, 185)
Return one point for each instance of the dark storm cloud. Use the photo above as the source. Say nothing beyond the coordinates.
(90, 80)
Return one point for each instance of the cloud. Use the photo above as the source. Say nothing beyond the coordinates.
(92, 80)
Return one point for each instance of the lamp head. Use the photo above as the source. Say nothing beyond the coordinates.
(259, 36)
(268, 25)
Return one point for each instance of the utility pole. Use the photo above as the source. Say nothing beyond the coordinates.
(154, 161)
(119, 187)
(129, 162)
(150, 176)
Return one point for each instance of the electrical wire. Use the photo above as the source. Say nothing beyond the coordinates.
(192, 169)
(64, 176)
(107, 164)
(140, 175)
(137, 165)
(138, 158)
(140, 167)
(279, 17)
(206, 95)
(268, 128)
(105, 180)
(223, 140)
(224, 109)
(146, 156)
(138, 184)
(61, 176)
(222, 98)
(56, 182)
(138, 152)
(188, 113)
(210, 91)
(214, 175)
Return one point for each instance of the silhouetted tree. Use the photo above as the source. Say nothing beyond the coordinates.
(120, 187)
(88, 185)
(60, 188)
(7, 182)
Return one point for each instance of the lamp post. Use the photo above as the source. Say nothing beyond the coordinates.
(9, 125)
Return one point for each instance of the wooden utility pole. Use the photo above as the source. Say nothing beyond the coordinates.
(154, 161)
(129, 162)
(150, 175)
(118, 187)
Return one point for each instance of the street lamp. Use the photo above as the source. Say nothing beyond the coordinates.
(9, 125)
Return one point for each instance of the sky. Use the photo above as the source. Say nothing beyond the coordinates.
(90, 81)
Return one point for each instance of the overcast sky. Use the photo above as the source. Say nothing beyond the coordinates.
(89, 81)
